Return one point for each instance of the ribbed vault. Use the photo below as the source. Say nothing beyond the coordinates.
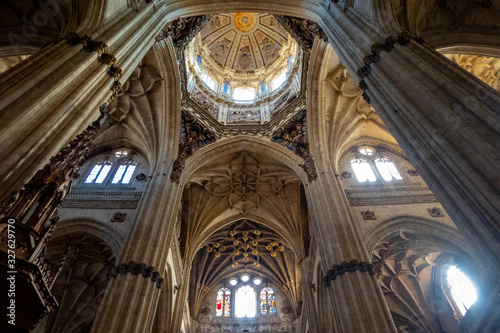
(245, 246)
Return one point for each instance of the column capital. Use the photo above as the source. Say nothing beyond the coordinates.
(138, 269)
(348, 267)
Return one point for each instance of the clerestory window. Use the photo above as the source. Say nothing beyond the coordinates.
(99, 172)
(368, 167)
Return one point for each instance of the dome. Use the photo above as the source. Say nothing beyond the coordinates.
(243, 67)
(244, 42)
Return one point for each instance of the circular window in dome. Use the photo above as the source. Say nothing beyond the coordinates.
(257, 281)
(233, 281)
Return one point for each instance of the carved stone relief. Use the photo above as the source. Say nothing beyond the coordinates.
(193, 137)
(293, 135)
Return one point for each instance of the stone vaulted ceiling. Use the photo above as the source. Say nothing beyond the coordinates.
(244, 41)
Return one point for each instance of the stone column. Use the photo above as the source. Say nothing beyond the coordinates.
(447, 122)
(55, 94)
(445, 119)
(308, 289)
(130, 301)
(357, 300)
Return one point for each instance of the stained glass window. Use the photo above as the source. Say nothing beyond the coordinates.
(99, 172)
(267, 301)
(223, 306)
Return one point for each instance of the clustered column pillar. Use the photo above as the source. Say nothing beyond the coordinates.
(56, 93)
(447, 122)
(130, 301)
(357, 300)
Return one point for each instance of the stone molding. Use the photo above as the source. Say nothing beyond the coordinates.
(138, 269)
(347, 267)
(389, 196)
(102, 200)
(403, 39)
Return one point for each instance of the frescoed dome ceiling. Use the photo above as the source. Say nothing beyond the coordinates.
(244, 41)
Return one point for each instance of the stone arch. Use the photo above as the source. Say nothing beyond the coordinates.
(412, 223)
(80, 257)
(92, 227)
(240, 143)
(408, 254)
(457, 27)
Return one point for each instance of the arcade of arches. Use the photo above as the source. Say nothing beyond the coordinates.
(250, 166)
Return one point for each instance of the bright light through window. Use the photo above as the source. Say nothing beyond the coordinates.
(244, 94)
(233, 281)
(278, 81)
(119, 174)
(387, 169)
(461, 288)
(123, 174)
(245, 302)
(102, 175)
(363, 170)
(93, 174)
(366, 151)
(128, 174)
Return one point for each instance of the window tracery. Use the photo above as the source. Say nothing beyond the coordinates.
(245, 303)
(99, 172)
(116, 169)
(369, 168)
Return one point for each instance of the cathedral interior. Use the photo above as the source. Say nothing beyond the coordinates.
(308, 166)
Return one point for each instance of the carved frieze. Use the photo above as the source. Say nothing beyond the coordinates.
(193, 137)
(302, 30)
(183, 30)
(293, 135)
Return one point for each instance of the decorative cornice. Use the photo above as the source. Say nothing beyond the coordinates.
(347, 267)
(403, 39)
(389, 196)
(302, 30)
(137, 269)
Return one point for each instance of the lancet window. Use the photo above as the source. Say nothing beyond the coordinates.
(116, 169)
(99, 172)
(267, 301)
(223, 303)
(369, 168)
(245, 305)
